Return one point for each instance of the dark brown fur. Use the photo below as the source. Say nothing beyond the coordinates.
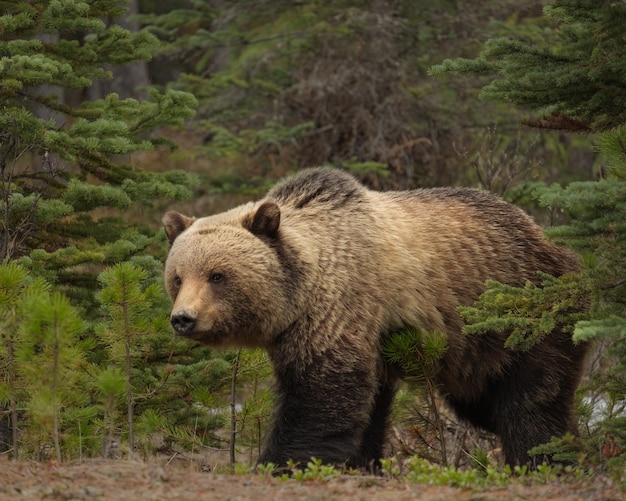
(322, 269)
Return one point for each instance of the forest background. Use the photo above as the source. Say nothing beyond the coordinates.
(113, 112)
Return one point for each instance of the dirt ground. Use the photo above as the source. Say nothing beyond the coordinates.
(114, 480)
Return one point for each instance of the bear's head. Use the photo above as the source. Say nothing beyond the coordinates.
(225, 278)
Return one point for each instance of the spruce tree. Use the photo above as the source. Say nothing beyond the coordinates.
(67, 179)
(572, 80)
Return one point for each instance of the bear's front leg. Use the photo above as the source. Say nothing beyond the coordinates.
(324, 408)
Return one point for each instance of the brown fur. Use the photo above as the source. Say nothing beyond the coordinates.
(322, 269)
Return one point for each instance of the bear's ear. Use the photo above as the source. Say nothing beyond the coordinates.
(175, 223)
(265, 221)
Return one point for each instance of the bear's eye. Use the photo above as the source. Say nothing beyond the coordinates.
(216, 278)
(177, 281)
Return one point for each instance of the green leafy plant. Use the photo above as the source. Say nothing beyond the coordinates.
(391, 467)
(315, 470)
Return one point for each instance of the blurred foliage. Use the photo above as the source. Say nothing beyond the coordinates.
(284, 85)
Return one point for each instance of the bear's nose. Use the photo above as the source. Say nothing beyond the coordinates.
(183, 322)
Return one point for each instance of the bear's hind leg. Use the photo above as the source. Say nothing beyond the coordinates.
(529, 422)
(522, 429)
(523, 413)
(535, 405)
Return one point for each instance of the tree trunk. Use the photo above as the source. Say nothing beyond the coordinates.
(55, 395)
(129, 80)
(129, 390)
(233, 409)
(13, 400)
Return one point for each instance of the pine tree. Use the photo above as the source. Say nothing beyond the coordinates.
(133, 312)
(418, 355)
(111, 384)
(49, 354)
(574, 84)
(249, 421)
(16, 284)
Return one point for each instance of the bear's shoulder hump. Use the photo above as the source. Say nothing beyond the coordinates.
(321, 185)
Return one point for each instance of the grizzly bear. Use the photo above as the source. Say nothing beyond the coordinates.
(322, 270)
